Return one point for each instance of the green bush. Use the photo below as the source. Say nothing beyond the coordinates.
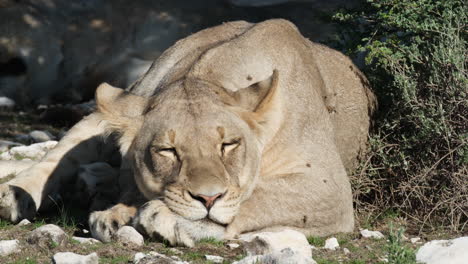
(414, 54)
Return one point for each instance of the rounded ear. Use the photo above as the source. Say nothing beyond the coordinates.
(122, 112)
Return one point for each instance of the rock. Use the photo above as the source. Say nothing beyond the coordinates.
(233, 245)
(175, 251)
(34, 151)
(48, 235)
(5, 145)
(8, 247)
(331, 243)
(270, 242)
(346, 251)
(453, 251)
(128, 235)
(72, 258)
(214, 259)
(24, 222)
(23, 138)
(41, 136)
(6, 102)
(285, 256)
(415, 240)
(155, 258)
(371, 234)
(86, 240)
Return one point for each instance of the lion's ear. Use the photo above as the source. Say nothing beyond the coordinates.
(122, 112)
(262, 101)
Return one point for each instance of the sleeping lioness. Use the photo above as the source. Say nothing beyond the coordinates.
(237, 128)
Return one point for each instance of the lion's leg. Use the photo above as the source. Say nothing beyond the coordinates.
(22, 196)
(310, 204)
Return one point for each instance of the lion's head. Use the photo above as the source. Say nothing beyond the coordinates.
(194, 144)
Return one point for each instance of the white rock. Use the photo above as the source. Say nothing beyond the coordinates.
(155, 257)
(128, 235)
(85, 231)
(286, 256)
(34, 151)
(415, 240)
(138, 256)
(346, 251)
(72, 258)
(175, 251)
(214, 259)
(233, 245)
(8, 247)
(86, 240)
(331, 243)
(6, 156)
(41, 136)
(371, 234)
(453, 251)
(6, 102)
(270, 242)
(24, 222)
(47, 233)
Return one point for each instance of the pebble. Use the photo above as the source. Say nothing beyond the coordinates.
(72, 258)
(331, 243)
(415, 240)
(371, 234)
(233, 245)
(41, 136)
(346, 251)
(86, 240)
(214, 259)
(285, 256)
(45, 234)
(8, 247)
(154, 258)
(128, 235)
(24, 222)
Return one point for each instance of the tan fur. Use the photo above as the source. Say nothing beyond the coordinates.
(254, 113)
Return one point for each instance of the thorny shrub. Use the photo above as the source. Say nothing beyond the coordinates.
(414, 55)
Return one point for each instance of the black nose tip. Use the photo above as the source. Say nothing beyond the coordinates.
(207, 200)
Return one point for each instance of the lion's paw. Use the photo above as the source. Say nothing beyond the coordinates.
(16, 204)
(157, 220)
(104, 224)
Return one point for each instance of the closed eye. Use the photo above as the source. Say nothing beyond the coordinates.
(166, 152)
(229, 146)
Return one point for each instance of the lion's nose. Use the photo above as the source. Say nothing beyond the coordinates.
(206, 200)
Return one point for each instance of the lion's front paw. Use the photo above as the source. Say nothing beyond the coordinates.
(15, 203)
(104, 224)
(157, 220)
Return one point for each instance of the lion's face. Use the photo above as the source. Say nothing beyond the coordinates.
(195, 149)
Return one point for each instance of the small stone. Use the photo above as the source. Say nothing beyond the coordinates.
(34, 151)
(41, 136)
(214, 259)
(24, 222)
(128, 235)
(72, 258)
(415, 240)
(155, 258)
(372, 234)
(8, 247)
(444, 251)
(270, 242)
(6, 102)
(331, 243)
(346, 251)
(285, 256)
(23, 138)
(85, 231)
(233, 245)
(46, 234)
(86, 240)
